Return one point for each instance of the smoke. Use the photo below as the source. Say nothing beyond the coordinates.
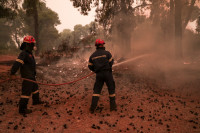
(162, 66)
(59, 71)
(159, 66)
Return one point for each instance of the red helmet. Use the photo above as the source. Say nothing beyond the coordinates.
(99, 42)
(29, 39)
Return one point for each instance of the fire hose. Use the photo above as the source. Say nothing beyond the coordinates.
(81, 78)
(50, 84)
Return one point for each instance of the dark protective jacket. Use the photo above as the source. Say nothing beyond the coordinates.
(100, 60)
(27, 65)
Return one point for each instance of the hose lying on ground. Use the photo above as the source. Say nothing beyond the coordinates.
(129, 60)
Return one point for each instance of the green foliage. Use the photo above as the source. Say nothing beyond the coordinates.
(116, 16)
(4, 32)
(84, 6)
(198, 25)
(7, 45)
(13, 31)
(29, 6)
(8, 8)
(110, 12)
(18, 27)
(47, 20)
(194, 14)
(81, 36)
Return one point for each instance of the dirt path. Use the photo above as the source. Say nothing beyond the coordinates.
(6, 62)
(7, 58)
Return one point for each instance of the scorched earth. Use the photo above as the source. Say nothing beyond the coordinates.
(146, 103)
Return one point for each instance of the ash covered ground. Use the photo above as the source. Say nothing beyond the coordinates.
(148, 101)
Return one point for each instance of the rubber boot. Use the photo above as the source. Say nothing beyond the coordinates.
(113, 106)
(23, 106)
(36, 100)
(93, 106)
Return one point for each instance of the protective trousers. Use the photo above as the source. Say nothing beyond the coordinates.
(28, 88)
(101, 77)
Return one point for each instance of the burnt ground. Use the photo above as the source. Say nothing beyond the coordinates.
(145, 104)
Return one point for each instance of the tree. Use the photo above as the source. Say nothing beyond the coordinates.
(178, 28)
(79, 32)
(7, 43)
(120, 16)
(173, 20)
(190, 10)
(155, 15)
(5, 33)
(8, 8)
(47, 20)
(13, 30)
(198, 25)
(80, 37)
(115, 16)
(31, 7)
(18, 27)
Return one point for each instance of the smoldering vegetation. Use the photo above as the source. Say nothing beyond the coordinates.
(161, 65)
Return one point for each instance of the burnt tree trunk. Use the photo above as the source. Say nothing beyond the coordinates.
(155, 14)
(125, 29)
(36, 26)
(171, 15)
(189, 14)
(178, 29)
(170, 34)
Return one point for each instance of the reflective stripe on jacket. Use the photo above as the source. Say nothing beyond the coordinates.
(100, 60)
(27, 65)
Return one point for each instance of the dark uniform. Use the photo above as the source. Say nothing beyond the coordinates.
(27, 65)
(101, 62)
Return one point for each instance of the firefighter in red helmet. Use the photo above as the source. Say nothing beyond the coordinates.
(101, 62)
(26, 63)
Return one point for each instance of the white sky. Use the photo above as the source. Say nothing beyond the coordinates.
(68, 15)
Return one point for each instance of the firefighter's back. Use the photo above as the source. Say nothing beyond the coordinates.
(100, 59)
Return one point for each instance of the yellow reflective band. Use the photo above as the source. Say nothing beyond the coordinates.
(22, 96)
(110, 59)
(29, 42)
(90, 64)
(35, 92)
(96, 95)
(20, 61)
(98, 57)
(112, 95)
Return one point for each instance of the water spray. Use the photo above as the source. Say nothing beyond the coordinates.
(132, 59)
(92, 73)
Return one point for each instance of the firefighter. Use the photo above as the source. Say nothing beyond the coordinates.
(27, 65)
(101, 62)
